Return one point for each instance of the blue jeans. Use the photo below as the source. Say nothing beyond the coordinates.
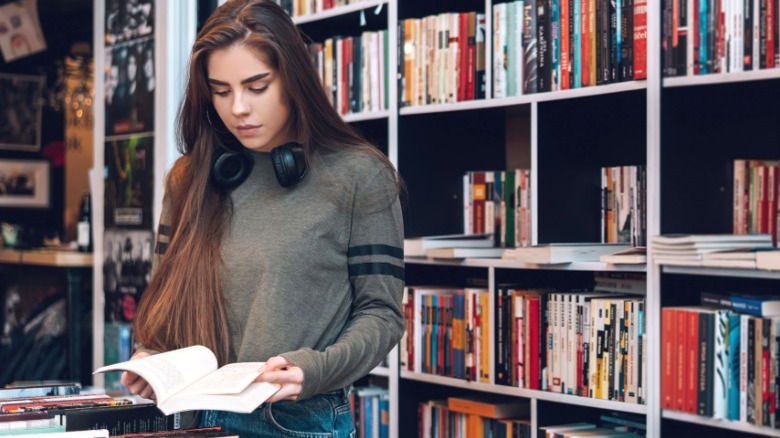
(324, 415)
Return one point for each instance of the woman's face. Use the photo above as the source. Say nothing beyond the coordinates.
(132, 67)
(249, 97)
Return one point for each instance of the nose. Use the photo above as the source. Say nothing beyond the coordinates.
(239, 107)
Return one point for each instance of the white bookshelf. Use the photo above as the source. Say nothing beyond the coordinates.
(736, 426)
(721, 272)
(339, 11)
(722, 78)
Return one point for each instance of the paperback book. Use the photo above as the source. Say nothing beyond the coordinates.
(188, 379)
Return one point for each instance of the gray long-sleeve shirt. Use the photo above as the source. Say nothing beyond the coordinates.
(315, 272)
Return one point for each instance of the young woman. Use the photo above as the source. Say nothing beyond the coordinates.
(301, 264)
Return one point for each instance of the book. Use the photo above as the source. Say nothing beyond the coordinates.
(555, 253)
(188, 379)
(636, 255)
(39, 389)
(489, 406)
(417, 246)
(688, 239)
(464, 253)
(769, 260)
(732, 258)
(118, 420)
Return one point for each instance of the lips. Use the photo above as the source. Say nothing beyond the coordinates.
(247, 130)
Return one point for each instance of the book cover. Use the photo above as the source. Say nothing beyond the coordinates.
(418, 246)
(188, 379)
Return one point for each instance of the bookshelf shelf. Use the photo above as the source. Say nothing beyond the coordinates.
(341, 10)
(526, 99)
(720, 424)
(527, 393)
(361, 117)
(721, 272)
(722, 78)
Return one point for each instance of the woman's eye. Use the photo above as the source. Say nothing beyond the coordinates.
(222, 92)
(259, 90)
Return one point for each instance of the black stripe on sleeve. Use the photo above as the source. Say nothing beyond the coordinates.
(161, 247)
(165, 230)
(359, 269)
(376, 249)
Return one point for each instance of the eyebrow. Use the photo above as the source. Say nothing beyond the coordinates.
(245, 81)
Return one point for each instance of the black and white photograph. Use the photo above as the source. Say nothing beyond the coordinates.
(20, 112)
(127, 267)
(129, 87)
(128, 19)
(129, 182)
(24, 183)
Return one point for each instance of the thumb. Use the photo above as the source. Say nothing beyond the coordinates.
(276, 363)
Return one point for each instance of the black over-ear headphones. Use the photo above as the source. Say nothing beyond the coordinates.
(231, 168)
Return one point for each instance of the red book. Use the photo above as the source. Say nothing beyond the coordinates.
(471, 55)
(668, 333)
(479, 187)
(463, 54)
(640, 39)
(564, 33)
(533, 342)
(681, 344)
(692, 363)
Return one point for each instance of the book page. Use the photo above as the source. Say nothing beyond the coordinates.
(230, 379)
(172, 371)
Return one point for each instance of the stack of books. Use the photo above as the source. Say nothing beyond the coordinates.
(453, 246)
(57, 408)
(692, 249)
(556, 253)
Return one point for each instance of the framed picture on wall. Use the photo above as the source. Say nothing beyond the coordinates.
(20, 112)
(24, 183)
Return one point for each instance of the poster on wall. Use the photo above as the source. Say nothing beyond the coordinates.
(130, 87)
(127, 267)
(20, 30)
(20, 112)
(129, 182)
(128, 19)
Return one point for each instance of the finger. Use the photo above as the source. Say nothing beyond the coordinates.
(288, 391)
(276, 363)
(147, 392)
(128, 378)
(290, 375)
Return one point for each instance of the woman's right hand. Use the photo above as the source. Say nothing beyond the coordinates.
(135, 383)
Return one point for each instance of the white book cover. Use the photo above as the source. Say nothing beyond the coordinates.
(721, 368)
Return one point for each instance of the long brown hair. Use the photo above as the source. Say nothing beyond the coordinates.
(183, 304)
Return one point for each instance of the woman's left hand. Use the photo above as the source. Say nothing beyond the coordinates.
(278, 370)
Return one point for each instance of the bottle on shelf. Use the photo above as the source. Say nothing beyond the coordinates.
(84, 226)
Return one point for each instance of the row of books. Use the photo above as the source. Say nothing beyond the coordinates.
(722, 364)
(474, 417)
(703, 37)
(353, 71)
(564, 44)
(587, 344)
(624, 205)
(499, 203)
(756, 185)
(371, 411)
(441, 58)
(297, 8)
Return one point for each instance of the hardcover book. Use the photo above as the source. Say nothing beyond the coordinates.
(188, 379)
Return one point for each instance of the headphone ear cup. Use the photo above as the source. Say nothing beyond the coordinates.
(230, 169)
(289, 163)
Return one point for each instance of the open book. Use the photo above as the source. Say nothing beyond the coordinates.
(188, 379)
